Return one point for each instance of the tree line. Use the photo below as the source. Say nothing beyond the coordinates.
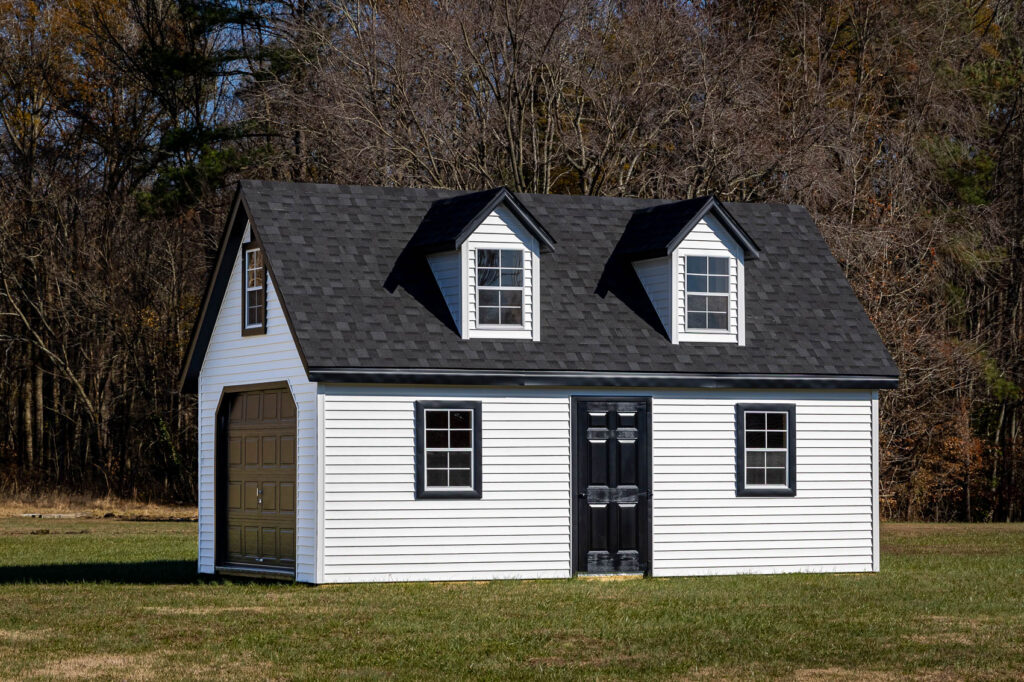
(124, 123)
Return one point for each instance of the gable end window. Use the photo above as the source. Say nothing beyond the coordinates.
(707, 293)
(499, 279)
(766, 449)
(448, 449)
(254, 291)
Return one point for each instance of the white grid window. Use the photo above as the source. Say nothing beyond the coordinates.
(448, 448)
(707, 292)
(499, 279)
(766, 441)
(255, 289)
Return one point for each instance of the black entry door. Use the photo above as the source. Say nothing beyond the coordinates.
(611, 481)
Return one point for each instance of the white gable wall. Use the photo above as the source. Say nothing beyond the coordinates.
(656, 276)
(375, 529)
(234, 360)
(709, 238)
(447, 269)
(502, 230)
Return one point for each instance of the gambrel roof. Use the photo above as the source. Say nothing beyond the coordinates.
(363, 305)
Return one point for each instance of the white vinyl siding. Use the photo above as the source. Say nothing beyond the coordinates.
(502, 230)
(656, 276)
(447, 269)
(374, 529)
(235, 360)
(709, 238)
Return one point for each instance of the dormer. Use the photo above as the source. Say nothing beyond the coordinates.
(485, 251)
(690, 257)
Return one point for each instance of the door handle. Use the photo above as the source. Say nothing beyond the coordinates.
(259, 497)
(582, 496)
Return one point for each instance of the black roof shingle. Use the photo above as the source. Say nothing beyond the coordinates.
(360, 297)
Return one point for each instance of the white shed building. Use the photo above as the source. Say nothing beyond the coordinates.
(403, 384)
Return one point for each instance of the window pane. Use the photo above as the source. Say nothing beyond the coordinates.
(487, 277)
(776, 439)
(755, 476)
(460, 460)
(487, 258)
(718, 266)
(511, 316)
(755, 459)
(511, 298)
(718, 304)
(697, 320)
(696, 264)
(718, 321)
(511, 258)
(775, 477)
(459, 478)
(437, 478)
(489, 316)
(437, 439)
(488, 297)
(755, 420)
(776, 459)
(461, 419)
(437, 460)
(437, 419)
(777, 420)
(461, 439)
(755, 439)
(696, 283)
(697, 304)
(718, 285)
(511, 278)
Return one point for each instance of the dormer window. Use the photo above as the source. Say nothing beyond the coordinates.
(254, 292)
(500, 281)
(707, 293)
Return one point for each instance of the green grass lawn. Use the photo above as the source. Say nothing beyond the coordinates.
(120, 599)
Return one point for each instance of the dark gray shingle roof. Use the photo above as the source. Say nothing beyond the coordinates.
(359, 297)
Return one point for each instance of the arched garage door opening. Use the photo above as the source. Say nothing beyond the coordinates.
(256, 480)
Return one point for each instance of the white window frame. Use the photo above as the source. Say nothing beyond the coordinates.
(787, 451)
(727, 295)
(249, 324)
(524, 254)
(448, 450)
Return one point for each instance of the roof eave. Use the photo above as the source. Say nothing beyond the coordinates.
(606, 379)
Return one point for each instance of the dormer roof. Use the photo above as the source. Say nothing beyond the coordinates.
(449, 222)
(657, 230)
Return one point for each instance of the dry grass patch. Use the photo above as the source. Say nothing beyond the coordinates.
(92, 507)
(22, 636)
(98, 666)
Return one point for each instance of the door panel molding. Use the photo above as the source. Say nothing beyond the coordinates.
(601, 505)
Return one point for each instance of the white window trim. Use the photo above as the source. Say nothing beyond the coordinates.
(525, 253)
(469, 450)
(245, 283)
(731, 261)
(680, 333)
(783, 450)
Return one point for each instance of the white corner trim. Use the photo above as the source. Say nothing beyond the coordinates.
(321, 471)
(876, 528)
(535, 257)
(677, 287)
(464, 288)
(741, 303)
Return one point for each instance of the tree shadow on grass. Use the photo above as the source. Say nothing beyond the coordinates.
(139, 572)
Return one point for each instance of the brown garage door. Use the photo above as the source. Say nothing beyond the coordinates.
(257, 474)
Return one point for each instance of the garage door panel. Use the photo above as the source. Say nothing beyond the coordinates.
(286, 447)
(287, 495)
(269, 503)
(251, 448)
(270, 451)
(257, 489)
